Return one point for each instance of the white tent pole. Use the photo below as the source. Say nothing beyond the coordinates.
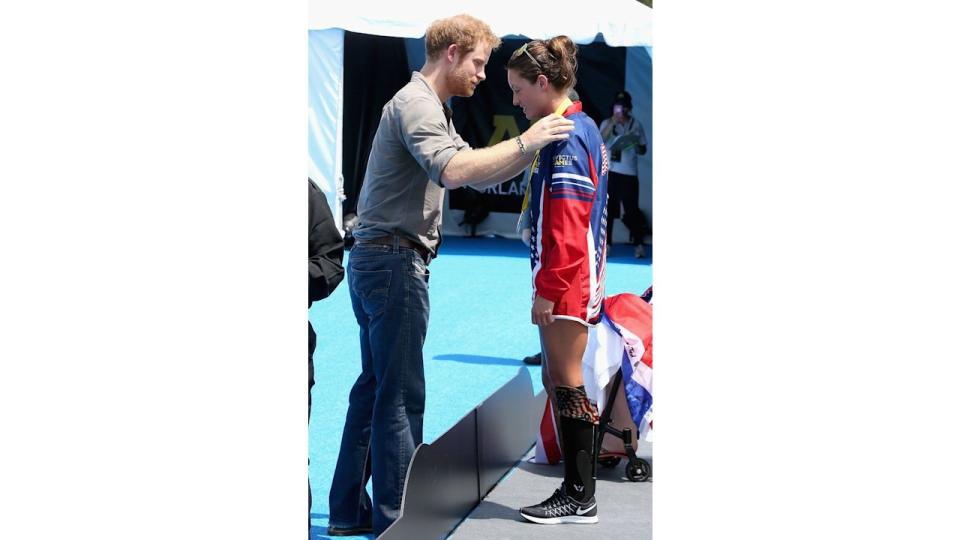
(325, 117)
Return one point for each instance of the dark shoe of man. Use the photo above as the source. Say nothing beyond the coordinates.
(534, 360)
(562, 508)
(639, 251)
(350, 531)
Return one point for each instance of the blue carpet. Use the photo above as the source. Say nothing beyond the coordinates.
(479, 332)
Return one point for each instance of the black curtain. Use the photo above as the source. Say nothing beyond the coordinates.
(374, 69)
(600, 75)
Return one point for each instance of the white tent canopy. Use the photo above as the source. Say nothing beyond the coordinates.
(622, 22)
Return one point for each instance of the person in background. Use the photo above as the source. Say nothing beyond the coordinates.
(625, 141)
(325, 265)
(566, 200)
(416, 155)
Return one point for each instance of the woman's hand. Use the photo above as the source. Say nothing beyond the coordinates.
(542, 312)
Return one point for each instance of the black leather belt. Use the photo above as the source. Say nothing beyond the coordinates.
(402, 241)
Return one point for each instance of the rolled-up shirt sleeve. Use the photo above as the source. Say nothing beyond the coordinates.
(427, 136)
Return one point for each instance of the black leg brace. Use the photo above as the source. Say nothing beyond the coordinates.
(578, 418)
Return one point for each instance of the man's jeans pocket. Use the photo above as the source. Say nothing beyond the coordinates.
(420, 269)
(373, 287)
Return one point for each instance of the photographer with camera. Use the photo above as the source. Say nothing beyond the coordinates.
(625, 140)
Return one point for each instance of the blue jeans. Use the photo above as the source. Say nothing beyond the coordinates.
(384, 424)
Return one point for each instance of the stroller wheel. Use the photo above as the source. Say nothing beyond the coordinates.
(640, 473)
(609, 462)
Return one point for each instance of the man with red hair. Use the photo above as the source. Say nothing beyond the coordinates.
(416, 155)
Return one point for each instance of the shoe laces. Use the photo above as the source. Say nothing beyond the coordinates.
(558, 503)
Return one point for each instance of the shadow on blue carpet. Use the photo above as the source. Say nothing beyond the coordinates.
(476, 359)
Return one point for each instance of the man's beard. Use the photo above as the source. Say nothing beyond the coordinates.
(459, 83)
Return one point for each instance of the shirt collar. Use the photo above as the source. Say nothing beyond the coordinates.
(567, 107)
(417, 76)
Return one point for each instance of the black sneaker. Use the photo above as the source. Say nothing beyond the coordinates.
(562, 508)
(534, 359)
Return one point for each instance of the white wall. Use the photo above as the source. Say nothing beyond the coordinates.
(639, 82)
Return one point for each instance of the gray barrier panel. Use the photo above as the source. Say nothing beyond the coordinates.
(448, 478)
(507, 427)
(441, 487)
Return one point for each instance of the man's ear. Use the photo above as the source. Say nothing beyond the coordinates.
(452, 52)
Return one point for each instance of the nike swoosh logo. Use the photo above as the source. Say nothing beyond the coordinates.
(582, 511)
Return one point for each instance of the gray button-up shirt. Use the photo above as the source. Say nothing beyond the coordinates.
(401, 191)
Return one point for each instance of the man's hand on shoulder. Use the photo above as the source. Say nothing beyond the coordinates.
(547, 130)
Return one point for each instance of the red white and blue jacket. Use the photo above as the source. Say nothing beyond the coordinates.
(568, 221)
